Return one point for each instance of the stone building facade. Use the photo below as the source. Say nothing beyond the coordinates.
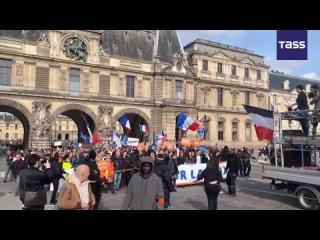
(99, 75)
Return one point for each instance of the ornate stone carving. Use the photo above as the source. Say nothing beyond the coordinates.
(44, 38)
(75, 48)
(105, 120)
(179, 62)
(63, 80)
(41, 124)
(177, 58)
(19, 74)
(102, 51)
(105, 114)
(121, 90)
(140, 82)
(86, 82)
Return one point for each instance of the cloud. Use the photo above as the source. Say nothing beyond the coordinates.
(288, 67)
(312, 75)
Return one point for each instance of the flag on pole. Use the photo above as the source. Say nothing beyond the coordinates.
(184, 122)
(262, 120)
(201, 132)
(125, 123)
(144, 128)
(88, 128)
(116, 139)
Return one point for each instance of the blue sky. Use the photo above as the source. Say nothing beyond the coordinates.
(263, 42)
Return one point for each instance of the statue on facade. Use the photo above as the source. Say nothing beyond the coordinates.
(41, 123)
(75, 48)
(235, 100)
(105, 113)
(44, 128)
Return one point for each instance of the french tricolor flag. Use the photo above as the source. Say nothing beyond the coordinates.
(124, 121)
(262, 120)
(184, 123)
(144, 128)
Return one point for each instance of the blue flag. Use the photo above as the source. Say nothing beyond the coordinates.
(201, 132)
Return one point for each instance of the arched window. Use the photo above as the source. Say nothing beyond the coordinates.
(221, 126)
(59, 137)
(248, 131)
(235, 129)
(67, 136)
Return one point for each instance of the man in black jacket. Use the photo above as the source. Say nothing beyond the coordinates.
(18, 165)
(245, 157)
(302, 103)
(57, 175)
(118, 168)
(94, 179)
(163, 172)
(232, 168)
(33, 180)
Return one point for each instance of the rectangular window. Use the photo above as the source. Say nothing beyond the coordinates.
(59, 128)
(248, 131)
(234, 131)
(130, 86)
(258, 74)
(247, 98)
(220, 130)
(220, 70)
(16, 135)
(5, 72)
(74, 80)
(16, 126)
(7, 126)
(67, 128)
(246, 72)
(220, 97)
(205, 65)
(233, 70)
(178, 89)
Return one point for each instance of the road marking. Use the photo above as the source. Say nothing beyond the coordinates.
(2, 174)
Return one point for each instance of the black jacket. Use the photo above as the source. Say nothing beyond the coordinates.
(233, 164)
(57, 169)
(163, 172)
(18, 166)
(33, 180)
(117, 162)
(94, 171)
(224, 155)
(210, 175)
(204, 158)
(245, 156)
(127, 163)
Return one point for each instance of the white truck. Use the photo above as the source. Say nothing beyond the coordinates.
(294, 160)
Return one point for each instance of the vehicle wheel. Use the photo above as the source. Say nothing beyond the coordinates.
(307, 199)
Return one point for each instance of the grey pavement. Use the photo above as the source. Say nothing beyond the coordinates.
(252, 194)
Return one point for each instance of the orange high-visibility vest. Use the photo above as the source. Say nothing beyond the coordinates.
(110, 170)
(103, 167)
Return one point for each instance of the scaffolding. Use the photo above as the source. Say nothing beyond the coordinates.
(292, 142)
